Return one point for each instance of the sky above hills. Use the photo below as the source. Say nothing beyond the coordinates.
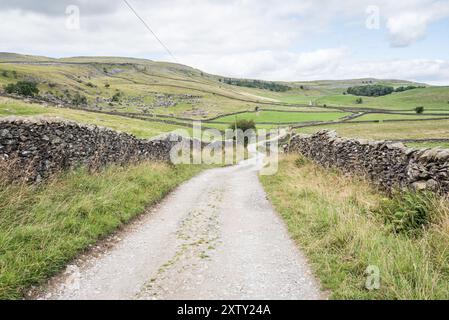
(266, 39)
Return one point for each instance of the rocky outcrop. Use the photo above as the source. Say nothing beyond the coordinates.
(388, 164)
(41, 147)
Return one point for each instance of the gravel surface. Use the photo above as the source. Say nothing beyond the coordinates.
(215, 237)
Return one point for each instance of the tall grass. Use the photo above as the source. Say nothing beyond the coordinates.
(344, 226)
(43, 227)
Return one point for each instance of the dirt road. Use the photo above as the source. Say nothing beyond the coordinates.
(215, 237)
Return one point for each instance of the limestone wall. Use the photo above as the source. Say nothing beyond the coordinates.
(386, 163)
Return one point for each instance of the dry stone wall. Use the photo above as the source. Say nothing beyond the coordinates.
(388, 164)
(37, 148)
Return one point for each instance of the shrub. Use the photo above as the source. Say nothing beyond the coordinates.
(107, 85)
(23, 88)
(244, 125)
(408, 212)
(5, 73)
(419, 110)
(301, 161)
(79, 100)
(359, 101)
(116, 97)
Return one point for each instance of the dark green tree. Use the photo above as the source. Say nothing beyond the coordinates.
(419, 110)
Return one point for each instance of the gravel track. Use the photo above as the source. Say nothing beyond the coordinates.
(215, 237)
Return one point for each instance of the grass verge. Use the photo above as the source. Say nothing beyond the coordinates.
(43, 227)
(340, 223)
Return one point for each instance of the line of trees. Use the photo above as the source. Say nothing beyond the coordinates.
(266, 85)
(377, 90)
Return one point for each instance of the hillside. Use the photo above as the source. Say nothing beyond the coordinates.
(166, 96)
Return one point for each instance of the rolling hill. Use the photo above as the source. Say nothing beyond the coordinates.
(172, 95)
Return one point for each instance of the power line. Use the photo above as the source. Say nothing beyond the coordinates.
(149, 29)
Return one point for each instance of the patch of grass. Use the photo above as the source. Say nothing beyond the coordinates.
(43, 227)
(444, 145)
(335, 220)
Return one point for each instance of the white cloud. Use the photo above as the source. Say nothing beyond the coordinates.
(410, 26)
(245, 38)
(332, 63)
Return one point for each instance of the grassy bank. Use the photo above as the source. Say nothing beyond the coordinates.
(43, 227)
(344, 225)
(139, 128)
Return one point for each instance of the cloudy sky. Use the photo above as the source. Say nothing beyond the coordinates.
(266, 39)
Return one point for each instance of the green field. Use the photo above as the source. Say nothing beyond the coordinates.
(430, 98)
(283, 117)
(389, 130)
(381, 116)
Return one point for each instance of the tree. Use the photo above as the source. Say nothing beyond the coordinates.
(244, 126)
(419, 110)
(23, 88)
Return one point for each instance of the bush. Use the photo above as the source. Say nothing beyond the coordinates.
(107, 85)
(79, 100)
(419, 110)
(23, 88)
(244, 125)
(408, 212)
(359, 101)
(5, 73)
(376, 90)
(116, 97)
